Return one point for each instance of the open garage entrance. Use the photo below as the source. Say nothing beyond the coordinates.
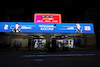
(43, 41)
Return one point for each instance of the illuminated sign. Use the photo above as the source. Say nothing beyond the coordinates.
(47, 18)
(26, 27)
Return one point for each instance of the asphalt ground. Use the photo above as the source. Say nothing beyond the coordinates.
(33, 58)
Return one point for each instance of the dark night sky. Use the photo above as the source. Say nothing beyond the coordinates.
(70, 9)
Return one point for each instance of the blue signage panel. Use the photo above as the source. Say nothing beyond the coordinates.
(27, 27)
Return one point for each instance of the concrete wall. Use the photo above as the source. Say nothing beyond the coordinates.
(5, 39)
(90, 40)
(87, 40)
